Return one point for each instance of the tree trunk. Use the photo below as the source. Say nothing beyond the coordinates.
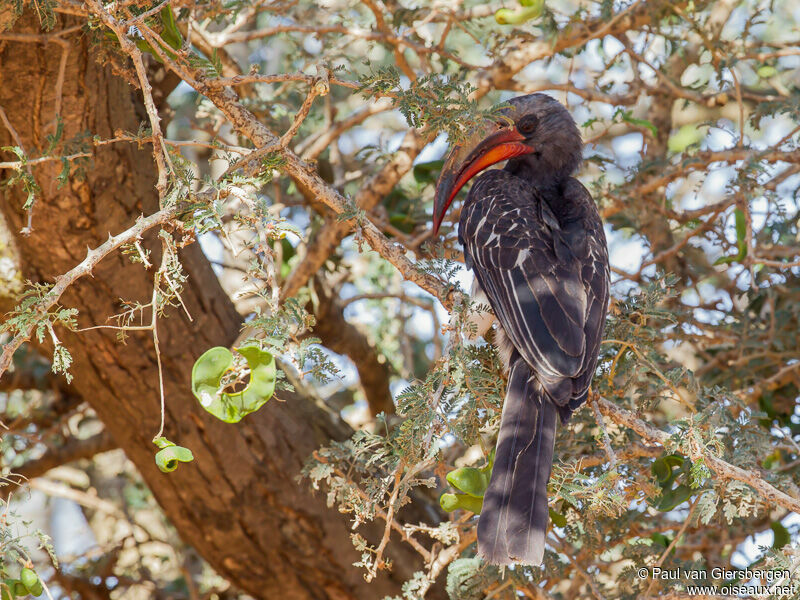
(238, 503)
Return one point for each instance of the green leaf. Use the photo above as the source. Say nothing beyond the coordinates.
(741, 229)
(54, 138)
(781, 535)
(741, 234)
(28, 577)
(29, 199)
(674, 460)
(427, 172)
(707, 506)
(451, 502)
(17, 151)
(626, 116)
(766, 71)
(557, 518)
(772, 461)
(672, 498)
(145, 46)
(530, 10)
(487, 470)
(163, 442)
(661, 470)
(63, 176)
(216, 62)
(661, 539)
(686, 136)
(7, 590)
(469, 480)
(170, 33)
(232, 407)
(167, 459)
(30, 580)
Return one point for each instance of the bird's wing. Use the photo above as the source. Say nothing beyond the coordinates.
(595, 276)
(539, 279)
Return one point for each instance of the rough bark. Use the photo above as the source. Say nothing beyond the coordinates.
(238, 503)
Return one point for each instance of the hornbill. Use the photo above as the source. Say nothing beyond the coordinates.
(534, 239)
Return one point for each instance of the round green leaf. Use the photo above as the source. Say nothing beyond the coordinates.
(30, 580)
(448, 502)
(167, 459)
(674, 460)
(231, 408)
(665, 502)
(506, 16)
(451, 502)
(682, 494)
(183, 454)
(686, 136)
(673, 497)
(469, 480)
(36, 590)
(766, 71)
(661, 470)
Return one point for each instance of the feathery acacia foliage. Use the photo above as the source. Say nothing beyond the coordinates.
(301, 149)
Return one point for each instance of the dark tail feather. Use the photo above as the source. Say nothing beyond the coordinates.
(514, 518)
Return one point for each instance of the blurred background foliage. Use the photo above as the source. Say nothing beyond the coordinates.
(691, 115)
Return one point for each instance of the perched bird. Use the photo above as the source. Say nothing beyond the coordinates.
(534, 239)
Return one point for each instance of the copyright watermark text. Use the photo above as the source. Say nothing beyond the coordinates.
(775, 581)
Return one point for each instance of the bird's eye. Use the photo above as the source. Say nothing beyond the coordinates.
(527, 124)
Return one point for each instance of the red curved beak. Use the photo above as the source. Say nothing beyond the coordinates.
(464, 162)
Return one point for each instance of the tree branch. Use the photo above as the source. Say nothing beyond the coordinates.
(85, 267)
(723, 469)
(72, 450)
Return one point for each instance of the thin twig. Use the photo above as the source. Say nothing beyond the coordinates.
(378, 563)
(612, 457)
(693, 505)
(21, 146)
(85, 267)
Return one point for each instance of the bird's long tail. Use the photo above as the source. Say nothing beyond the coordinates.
(514, 518)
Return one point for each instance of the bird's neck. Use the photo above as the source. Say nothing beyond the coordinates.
(550, 188)
(548, 185)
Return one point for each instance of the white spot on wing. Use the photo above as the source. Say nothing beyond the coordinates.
(522, 257)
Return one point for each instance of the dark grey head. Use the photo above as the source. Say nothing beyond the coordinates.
(537, 137)
(558, 148)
